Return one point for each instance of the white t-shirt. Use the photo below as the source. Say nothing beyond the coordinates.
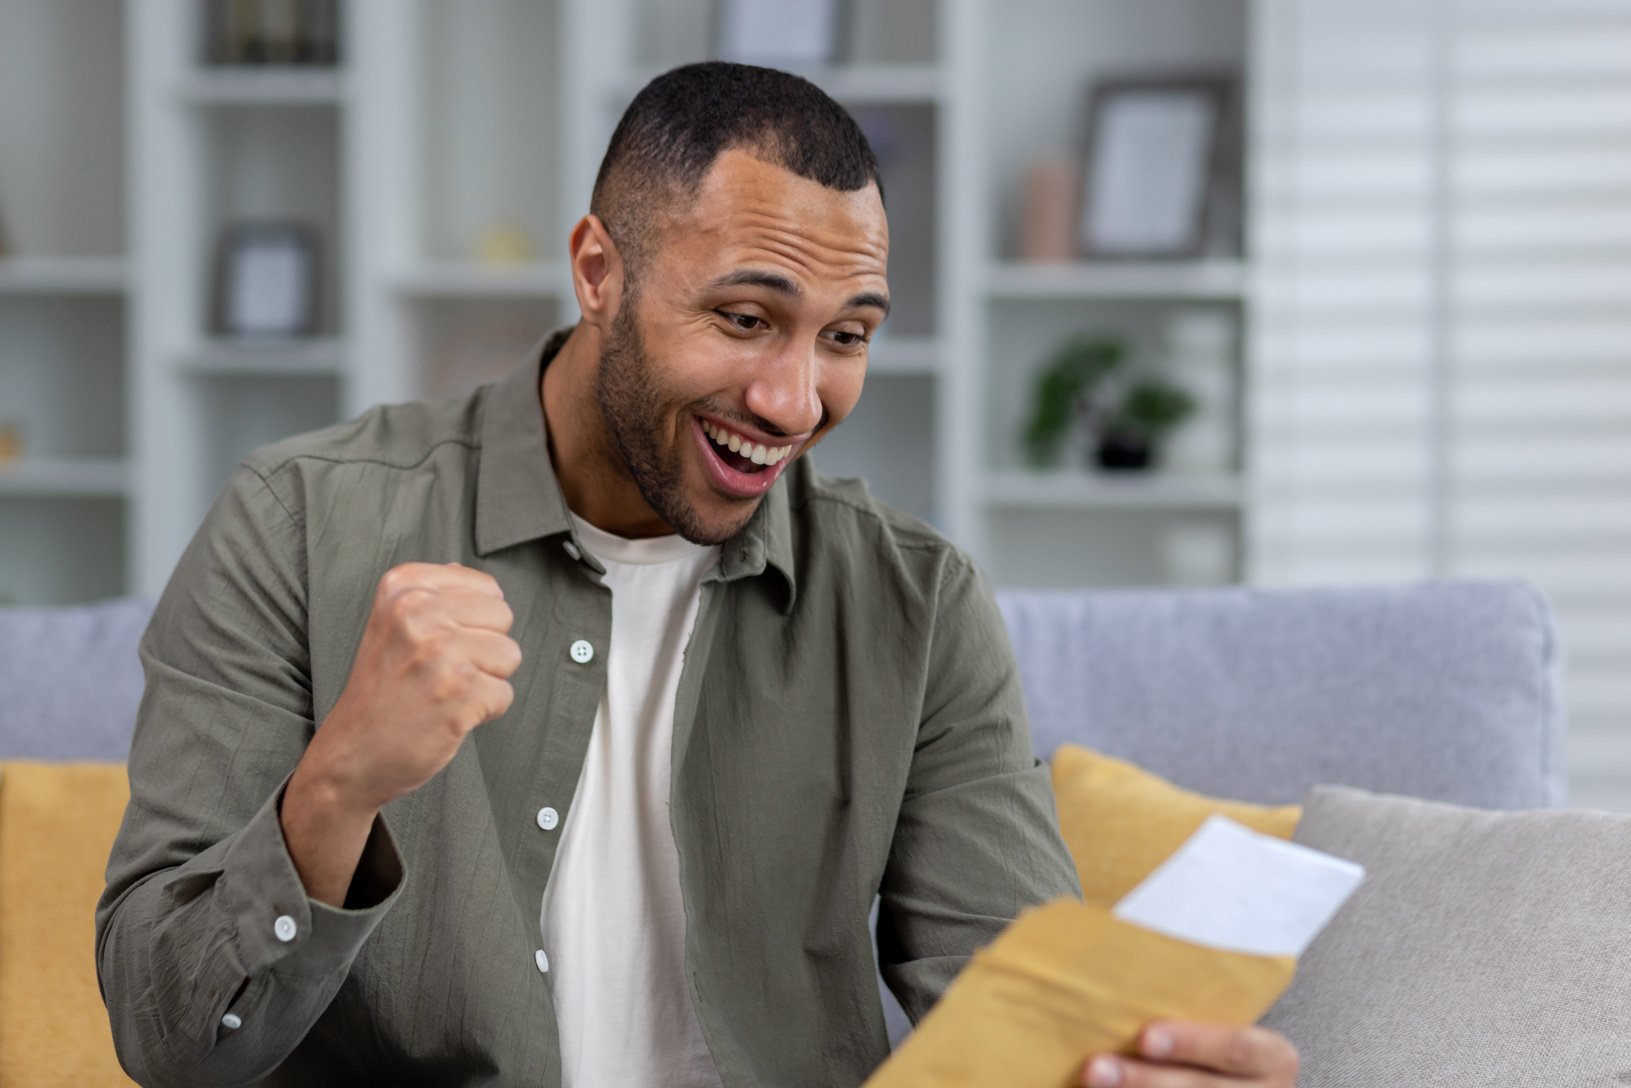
(612, 918)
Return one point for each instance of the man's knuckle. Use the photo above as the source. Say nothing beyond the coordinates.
(401, 577)
(1241, 1051)
(409, 603)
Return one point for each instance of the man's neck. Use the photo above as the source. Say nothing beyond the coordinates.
(584, 456)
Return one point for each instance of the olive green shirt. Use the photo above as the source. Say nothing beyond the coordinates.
(849, 725)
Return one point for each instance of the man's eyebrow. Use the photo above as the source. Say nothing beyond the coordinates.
(752, 277)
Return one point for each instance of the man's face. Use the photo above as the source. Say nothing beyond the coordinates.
(748, 330)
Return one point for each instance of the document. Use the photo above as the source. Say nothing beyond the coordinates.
(1233, 888)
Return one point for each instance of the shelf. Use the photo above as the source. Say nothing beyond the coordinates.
(1221, 280)
(320, 358)
(65, 477)
(62, 276)
(456, 279)
(1101, 491)
(873, 84)
(905, 355)
(273, 86)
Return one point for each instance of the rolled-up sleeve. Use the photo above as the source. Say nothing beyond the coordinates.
(977, 839)
(213, 961)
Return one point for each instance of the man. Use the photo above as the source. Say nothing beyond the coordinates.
(722, 701)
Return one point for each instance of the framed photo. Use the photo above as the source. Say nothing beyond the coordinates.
(1155, 149)
(271, 31)
(266, 280)
(781, 33)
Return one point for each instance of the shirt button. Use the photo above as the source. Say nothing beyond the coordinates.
(548, 818)
(284, 928)
(232, 1021)
(582, 652)
(541, 958)
(571, 549)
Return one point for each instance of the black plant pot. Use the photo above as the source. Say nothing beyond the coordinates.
(1124, 453)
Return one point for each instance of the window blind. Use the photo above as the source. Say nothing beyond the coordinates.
(1442, 315)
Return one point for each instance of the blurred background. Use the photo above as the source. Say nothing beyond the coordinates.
(1187, 292)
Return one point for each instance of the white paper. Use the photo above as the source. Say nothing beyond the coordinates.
(1232, 888)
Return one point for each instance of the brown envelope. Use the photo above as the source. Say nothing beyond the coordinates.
(1067, 980)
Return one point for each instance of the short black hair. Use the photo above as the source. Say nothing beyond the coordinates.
(680, 122)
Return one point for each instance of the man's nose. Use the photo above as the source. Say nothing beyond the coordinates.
(783, 394)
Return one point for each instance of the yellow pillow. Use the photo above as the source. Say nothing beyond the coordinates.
(57, 823)
(1120, 821)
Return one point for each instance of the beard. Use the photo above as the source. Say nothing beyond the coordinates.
(633, 406)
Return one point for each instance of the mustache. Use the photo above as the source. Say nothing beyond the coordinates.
(730, 414)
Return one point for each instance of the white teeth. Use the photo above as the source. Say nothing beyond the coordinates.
(759, 455)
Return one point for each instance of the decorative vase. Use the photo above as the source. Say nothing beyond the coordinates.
(1124, 452)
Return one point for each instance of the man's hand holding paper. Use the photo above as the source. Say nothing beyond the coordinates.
(1186, 1054)
(1161, 992)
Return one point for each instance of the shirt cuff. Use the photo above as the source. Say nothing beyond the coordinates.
(276, 924)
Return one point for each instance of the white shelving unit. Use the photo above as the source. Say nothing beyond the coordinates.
(65, 302)
(443, 123)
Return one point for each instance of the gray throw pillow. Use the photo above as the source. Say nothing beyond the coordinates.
(1484, 949)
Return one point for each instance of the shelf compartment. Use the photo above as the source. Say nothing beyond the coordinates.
(63, 380)
(65, 477)
(61, 549)
(459, 343)
(1064, 548)
(1102, 491)
(1210, 280)
(63, 180)
(322, 357)
(488, 114)
(264, 164)
(468, 280)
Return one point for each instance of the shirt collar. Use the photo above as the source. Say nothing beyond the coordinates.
(518, 497)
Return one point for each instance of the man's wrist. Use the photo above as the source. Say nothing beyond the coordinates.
(325, 829)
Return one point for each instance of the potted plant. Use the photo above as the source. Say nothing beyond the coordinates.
(1063, 390)
(1130, 433)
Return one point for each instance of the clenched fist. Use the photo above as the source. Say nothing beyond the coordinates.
(434, 662)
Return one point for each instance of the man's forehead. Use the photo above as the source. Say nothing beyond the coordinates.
(742, 194)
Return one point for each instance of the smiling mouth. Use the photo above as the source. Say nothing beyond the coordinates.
(739, 454)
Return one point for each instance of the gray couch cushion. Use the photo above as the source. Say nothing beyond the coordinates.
(1484, 949)
(70, 680)
(1445, 690)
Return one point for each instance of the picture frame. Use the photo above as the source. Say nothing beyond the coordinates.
(271, 32)
(781, 33)
(1154, 151)
(266, 282)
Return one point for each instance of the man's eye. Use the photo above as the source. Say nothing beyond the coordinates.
(850, 339)
(737, 319)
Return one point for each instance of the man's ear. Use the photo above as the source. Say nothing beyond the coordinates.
(597, 271)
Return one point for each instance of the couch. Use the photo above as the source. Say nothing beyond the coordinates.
(1447, 691)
